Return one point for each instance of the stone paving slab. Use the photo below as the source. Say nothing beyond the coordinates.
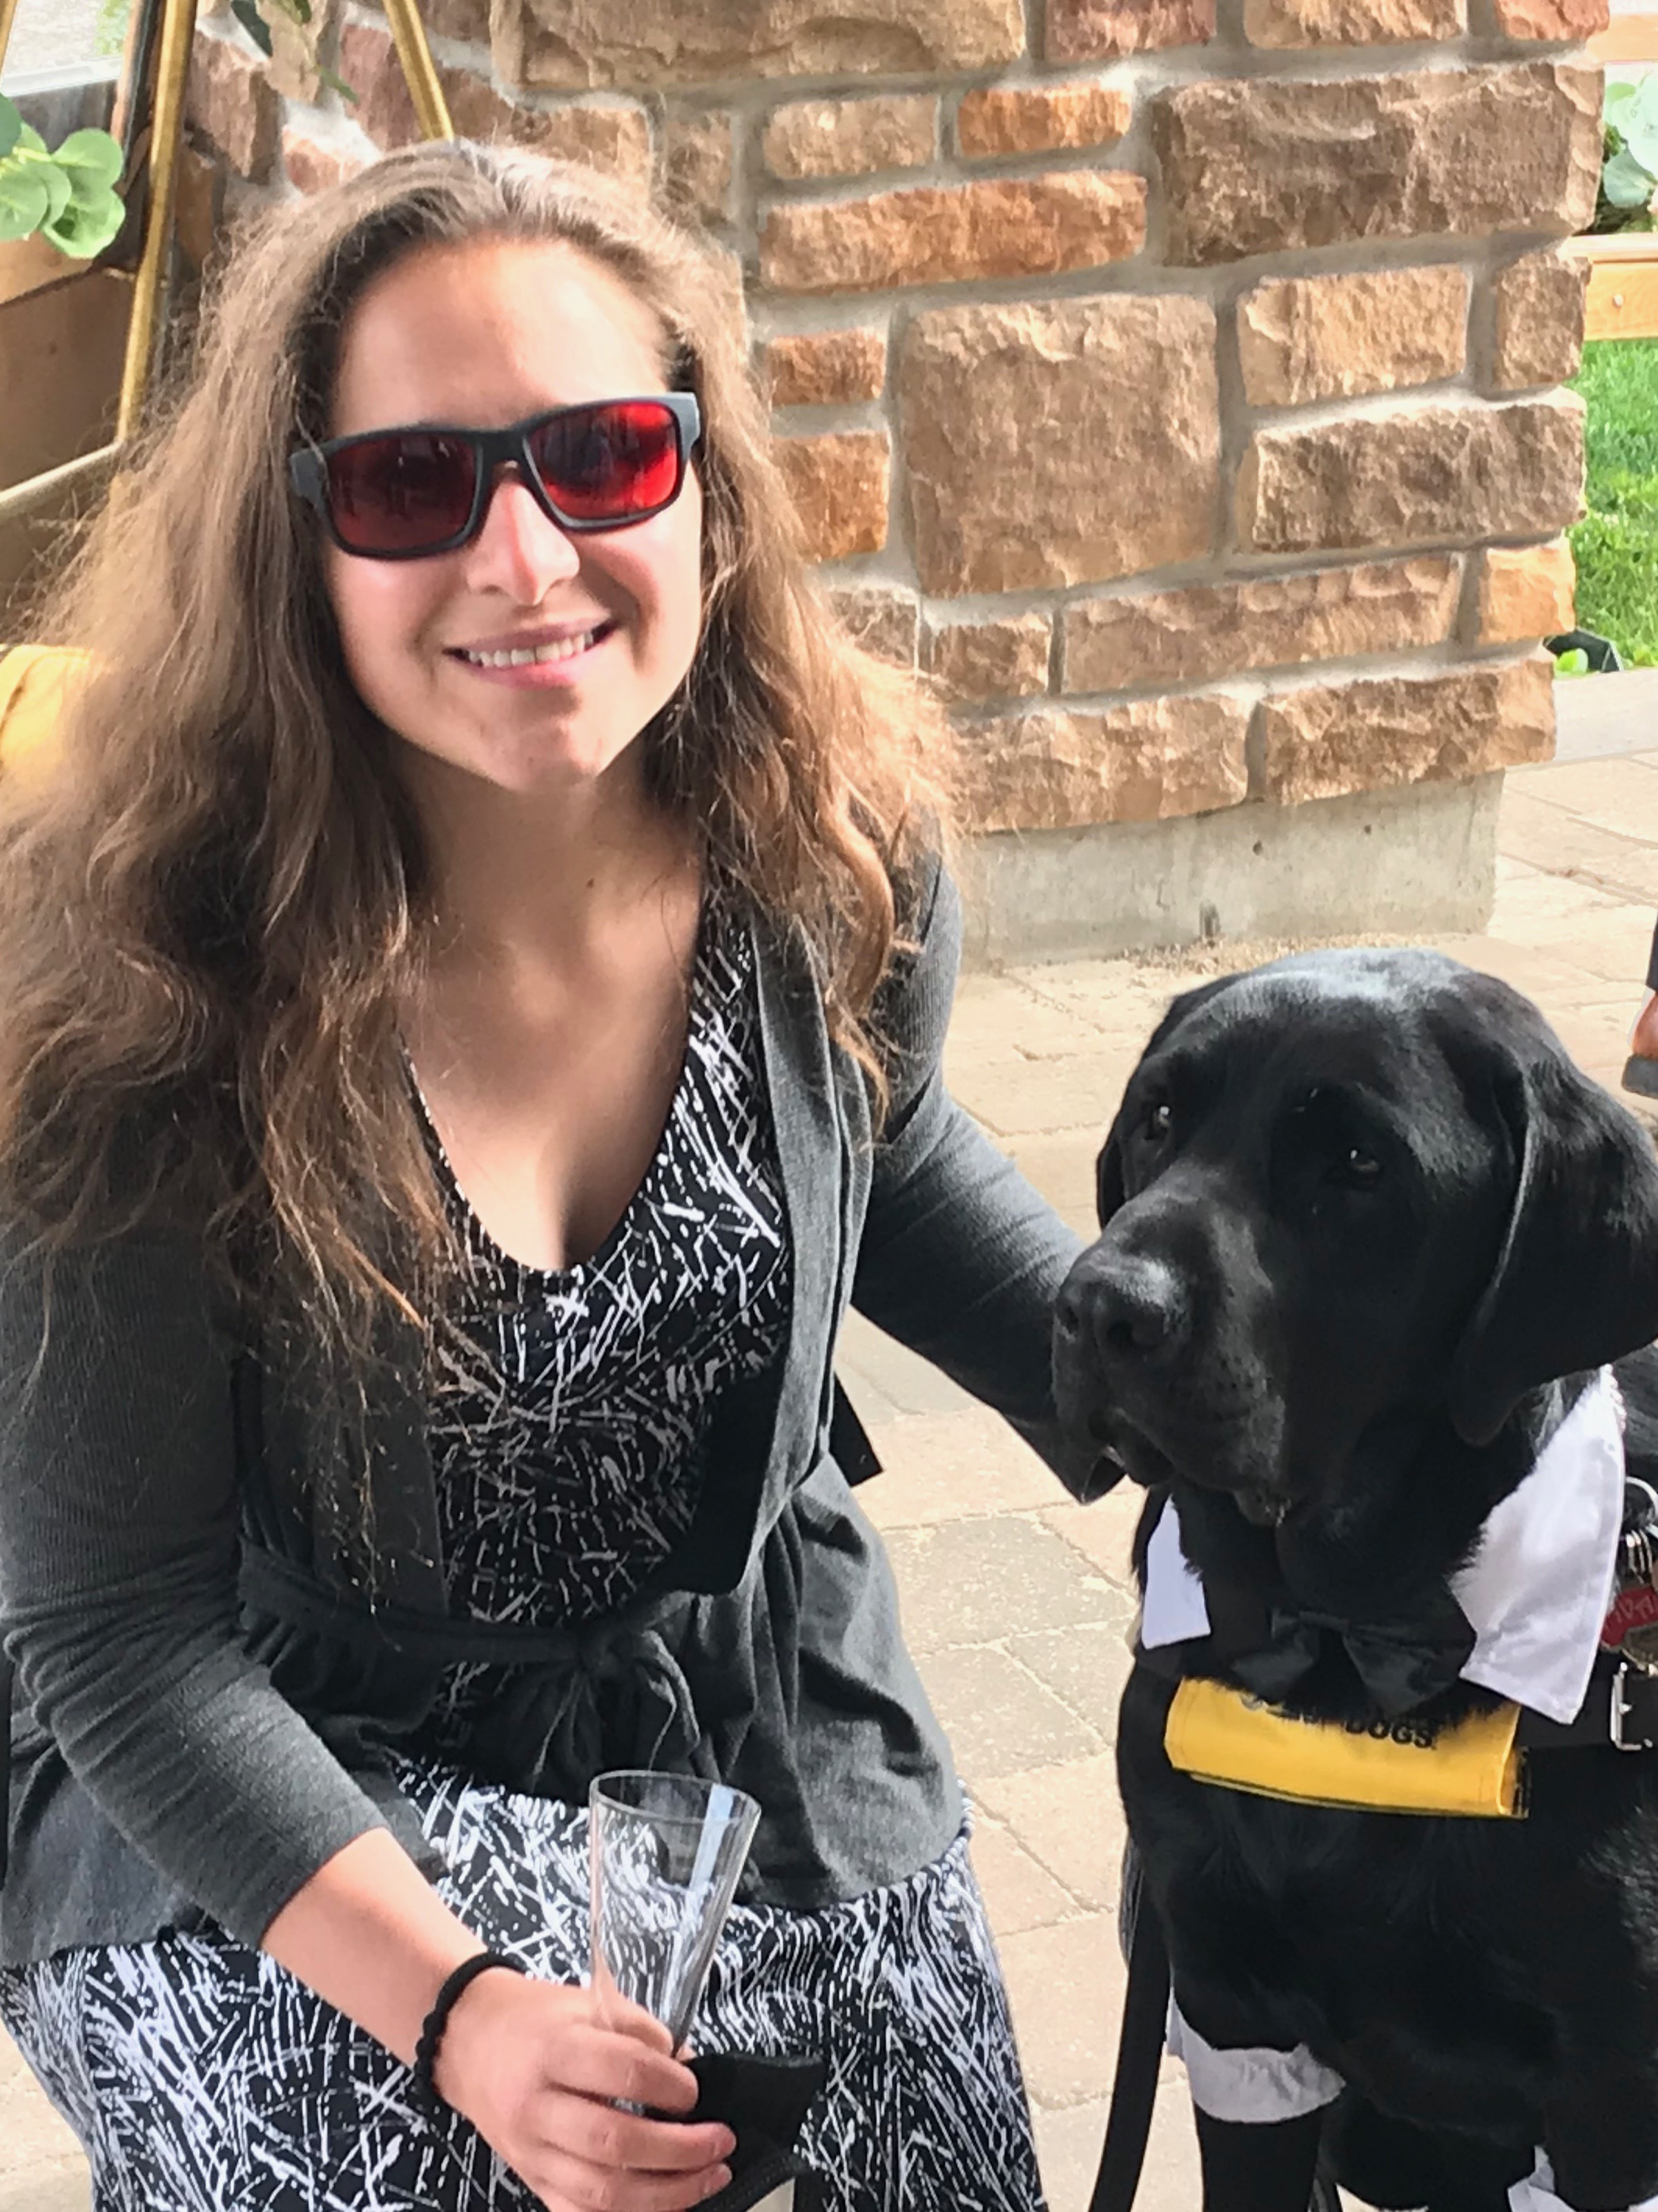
(963, 1582)
(1069, 1820)
(1602, 714)
(1019, 1097)
(1615, 795)
(1017, 1599)
(1558, 842)
(1027, 1894)
(41, 2168)
(999, 1717)
(1066, 1985)
(1611, 945)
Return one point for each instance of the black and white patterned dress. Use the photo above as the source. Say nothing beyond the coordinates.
(566, 1423)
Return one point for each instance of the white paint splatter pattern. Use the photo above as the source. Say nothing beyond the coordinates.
(201, 2077)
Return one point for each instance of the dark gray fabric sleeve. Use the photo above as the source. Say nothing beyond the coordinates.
(961, 1259)
(118, 1583)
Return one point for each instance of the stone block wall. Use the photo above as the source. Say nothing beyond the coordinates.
(1172, 381)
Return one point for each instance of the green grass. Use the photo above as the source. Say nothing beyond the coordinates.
(1616, 544)
(112, 27)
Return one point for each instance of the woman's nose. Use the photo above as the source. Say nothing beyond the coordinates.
(518, 547)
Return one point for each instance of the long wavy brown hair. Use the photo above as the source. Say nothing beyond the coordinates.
(213, 903)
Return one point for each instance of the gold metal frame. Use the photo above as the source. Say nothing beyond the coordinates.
(166, 138)
(425, 89)
(8, 17)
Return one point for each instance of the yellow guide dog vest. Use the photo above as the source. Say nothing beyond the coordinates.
(1221, 1735)
(1536, 1593)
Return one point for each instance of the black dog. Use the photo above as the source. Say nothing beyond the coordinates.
(1367, 1238)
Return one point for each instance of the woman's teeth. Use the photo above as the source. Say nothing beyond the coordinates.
(520, 656)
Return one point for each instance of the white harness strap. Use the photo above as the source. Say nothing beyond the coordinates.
(1536, 2193)
(1254, 2086)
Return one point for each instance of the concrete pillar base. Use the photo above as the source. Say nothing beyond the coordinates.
(1417, 861)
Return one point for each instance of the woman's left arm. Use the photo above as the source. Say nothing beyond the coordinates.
(961, 1259)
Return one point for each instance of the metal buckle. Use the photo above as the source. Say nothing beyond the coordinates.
(1620, 1710)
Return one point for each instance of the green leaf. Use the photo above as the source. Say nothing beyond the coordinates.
(29, 140)
(253, 23)
(1575, 663)
(59, 191)
(87, 225)
(11, 126)
(1637, 121)
(23, 202)
(1619, 97)
(336, 84)
(1625, 183)
(91, 154)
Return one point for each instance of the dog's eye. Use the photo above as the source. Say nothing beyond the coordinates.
(1360, 1168)
(1157, 1121)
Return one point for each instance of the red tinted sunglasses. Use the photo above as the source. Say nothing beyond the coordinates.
(399, 494)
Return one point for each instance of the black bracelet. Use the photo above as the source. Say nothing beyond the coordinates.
(431, 2033)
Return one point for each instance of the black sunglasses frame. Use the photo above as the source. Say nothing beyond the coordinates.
(307, 470)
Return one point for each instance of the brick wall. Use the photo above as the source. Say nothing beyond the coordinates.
(1171, 379)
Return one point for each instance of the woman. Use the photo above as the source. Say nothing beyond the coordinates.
(473, 989)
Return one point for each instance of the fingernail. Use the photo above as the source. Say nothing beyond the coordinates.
(730, 2142)
(721, 2178)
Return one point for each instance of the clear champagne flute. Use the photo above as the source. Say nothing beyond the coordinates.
(666, 1853)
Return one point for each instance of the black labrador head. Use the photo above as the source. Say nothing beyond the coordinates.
(1349, 1192)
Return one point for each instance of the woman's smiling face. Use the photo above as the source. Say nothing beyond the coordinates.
(483, 335)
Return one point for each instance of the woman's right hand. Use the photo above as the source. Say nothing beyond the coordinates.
(540, 2076)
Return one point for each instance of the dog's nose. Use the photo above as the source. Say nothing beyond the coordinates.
(1132, 1305)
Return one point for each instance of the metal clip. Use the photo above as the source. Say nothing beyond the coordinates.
(1637, 1561)
(1620, 1710)
(1638, 1540)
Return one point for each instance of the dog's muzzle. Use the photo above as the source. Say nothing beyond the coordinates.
(1138, 1376)
(1120, 1306)
(1117, 1312)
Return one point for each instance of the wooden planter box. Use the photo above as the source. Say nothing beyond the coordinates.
(63, 337)
(61, 341)
(1623, 296)
(1623, 301)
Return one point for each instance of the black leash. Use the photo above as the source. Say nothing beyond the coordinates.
(1140, 2053)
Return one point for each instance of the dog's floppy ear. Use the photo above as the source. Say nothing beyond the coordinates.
(1575, 1283)
(1109, 1191)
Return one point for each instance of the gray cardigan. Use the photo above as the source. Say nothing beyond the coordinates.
(207, 1705)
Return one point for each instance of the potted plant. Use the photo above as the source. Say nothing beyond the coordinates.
(68, 195)
(1629, 172)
